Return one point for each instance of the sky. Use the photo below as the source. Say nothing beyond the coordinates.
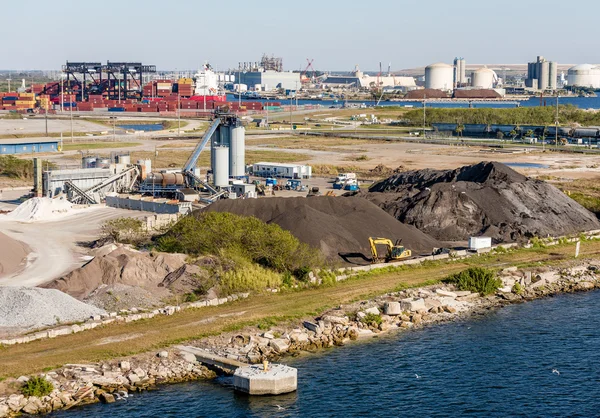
(336, 34)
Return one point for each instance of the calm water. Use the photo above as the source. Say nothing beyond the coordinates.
(145, 127)
(495, 365)
(527, 165)
(581, 102)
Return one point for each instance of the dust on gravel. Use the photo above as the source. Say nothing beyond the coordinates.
(488, 199)
(13, 255)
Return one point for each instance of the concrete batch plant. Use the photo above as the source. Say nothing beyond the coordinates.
(439, 76)
(584, 75)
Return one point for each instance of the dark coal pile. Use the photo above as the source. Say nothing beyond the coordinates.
(487, 199)
(335, 225)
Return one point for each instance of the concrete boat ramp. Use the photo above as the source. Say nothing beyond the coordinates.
(263, 379)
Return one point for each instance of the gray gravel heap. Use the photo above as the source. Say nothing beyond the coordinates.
(31, 307)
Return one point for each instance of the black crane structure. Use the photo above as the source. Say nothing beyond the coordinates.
(121, 80)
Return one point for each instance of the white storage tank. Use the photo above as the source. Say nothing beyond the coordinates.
(221, 167)
(478, 243)
(584, 75)
(123, 159)
(483, 78)
(439, 76)
(237, 152)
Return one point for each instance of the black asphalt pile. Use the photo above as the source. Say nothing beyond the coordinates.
(338, 226)
(488, 199)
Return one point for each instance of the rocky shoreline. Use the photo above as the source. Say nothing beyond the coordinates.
(110, 381)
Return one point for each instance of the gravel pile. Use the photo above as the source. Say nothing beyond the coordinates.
(487, 199)
(30, 307)
(339, 227)
(40, 209)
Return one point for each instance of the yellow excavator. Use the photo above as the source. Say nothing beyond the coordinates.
(395, 252)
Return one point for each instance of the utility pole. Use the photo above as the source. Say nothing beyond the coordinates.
(291, 123)
(71, 113)
(424, 106)
(178, 114)
(9, 80)
(46, 118)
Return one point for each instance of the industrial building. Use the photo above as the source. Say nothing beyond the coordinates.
(460, 72)
(270, 80)
(28, 146)
(291, 171)
(359, 80)
(484, 78)
(439, 76)
(584, 75)
(542, 74)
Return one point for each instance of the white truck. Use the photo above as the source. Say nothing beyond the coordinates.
(342, 177)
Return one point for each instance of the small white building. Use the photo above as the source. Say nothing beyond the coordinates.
(290, 171)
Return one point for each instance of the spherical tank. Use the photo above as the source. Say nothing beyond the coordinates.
(439, 76)
(237, 152)
(483, 78)
(584, 75)
(221, 167)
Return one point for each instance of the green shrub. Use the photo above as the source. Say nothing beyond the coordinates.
(37, 386)
(328, 278)
(125, 230)
(270, 246)
(517, 288)
(13, 167)
(246, 276)
(537, 243)
(371, 319)
(475, 279)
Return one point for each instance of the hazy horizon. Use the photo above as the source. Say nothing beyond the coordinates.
(182, 34)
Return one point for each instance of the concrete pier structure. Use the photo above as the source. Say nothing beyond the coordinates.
(277, 379)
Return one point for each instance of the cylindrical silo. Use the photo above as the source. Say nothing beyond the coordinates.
(483, 78)
(544, 75)
(553, 75)
(439, 76)
(221, 167)
(237, 152)
(123, 159)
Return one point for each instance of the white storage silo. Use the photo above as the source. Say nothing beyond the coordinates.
(483, 78)
(584, 75)
(439, 76)
(237, 151)
(221, 166)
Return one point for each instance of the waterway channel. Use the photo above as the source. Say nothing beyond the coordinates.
(532, 359)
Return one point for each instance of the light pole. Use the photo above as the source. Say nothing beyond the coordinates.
(9, 80)
(556, 123)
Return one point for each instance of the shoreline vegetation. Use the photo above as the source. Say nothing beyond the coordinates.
(105, 363)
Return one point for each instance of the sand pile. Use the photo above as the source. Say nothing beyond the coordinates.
(30, 307)
(41, 209)
(122, 266)
(487, 199)
(13, 255)
(333, 224)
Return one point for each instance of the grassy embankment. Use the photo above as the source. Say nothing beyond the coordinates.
(586, 192)
(260, 310)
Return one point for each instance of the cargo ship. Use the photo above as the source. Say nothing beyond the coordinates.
(207, 86)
